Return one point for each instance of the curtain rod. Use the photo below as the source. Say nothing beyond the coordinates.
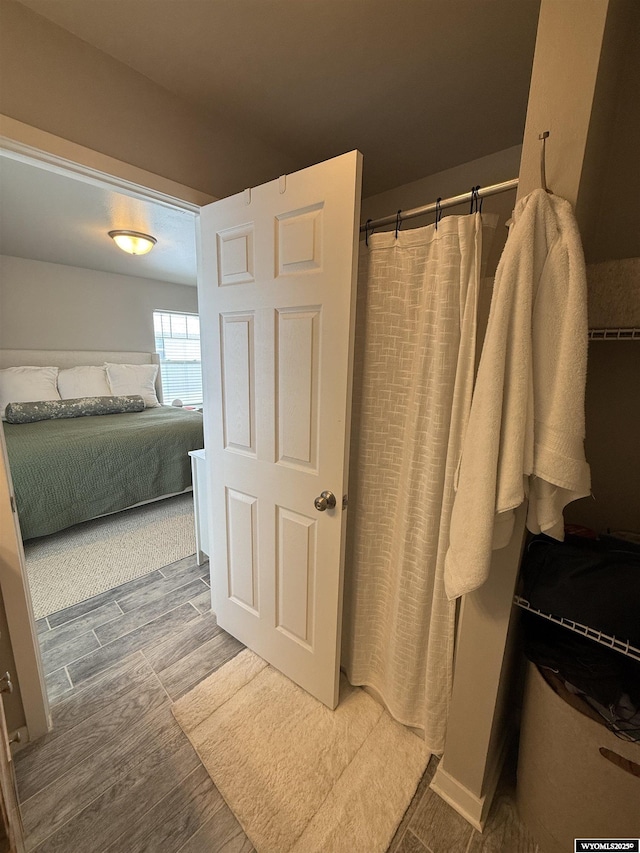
(494, 189)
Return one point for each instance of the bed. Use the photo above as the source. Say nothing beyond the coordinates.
(66, 471)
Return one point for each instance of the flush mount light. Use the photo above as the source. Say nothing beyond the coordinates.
(133, 242)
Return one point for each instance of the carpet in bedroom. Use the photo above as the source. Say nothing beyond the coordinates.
(95, 556)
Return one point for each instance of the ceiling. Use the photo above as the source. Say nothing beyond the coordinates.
(418, 86)
(62, 219)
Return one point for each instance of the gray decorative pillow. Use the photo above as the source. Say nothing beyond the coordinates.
(26, 413)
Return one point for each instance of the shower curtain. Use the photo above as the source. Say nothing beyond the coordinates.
(413, 376)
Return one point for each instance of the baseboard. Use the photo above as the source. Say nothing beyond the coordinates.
(495, 771)
(466, 803)
(470, 806)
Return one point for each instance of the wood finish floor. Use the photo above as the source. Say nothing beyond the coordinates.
(117, 774)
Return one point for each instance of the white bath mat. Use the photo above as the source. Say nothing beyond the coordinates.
(299, 777)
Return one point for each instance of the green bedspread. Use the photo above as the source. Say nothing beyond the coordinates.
(67, 471)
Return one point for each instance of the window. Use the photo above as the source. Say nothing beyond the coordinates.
(178, 345)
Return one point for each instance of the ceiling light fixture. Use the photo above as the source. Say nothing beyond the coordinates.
(133, 242)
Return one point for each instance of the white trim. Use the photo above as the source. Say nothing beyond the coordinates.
(466, 803)
(29, 144)
(474, 809)
(19, 610)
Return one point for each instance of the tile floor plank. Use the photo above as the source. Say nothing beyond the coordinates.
(57, 684)
(174, 648)
(175, 818)
(202, 602)
(58, 636)
(423, 787)
(159, 587)
(61, 617)
(75, 610)
(503, 831)
(439, 827)
(194, 667)
(42, 626)
(71, 650)
(112, 815)
(141, 615)
(220, 834)
(96, 693)
(411, 844)
(182, 567)
(148, 634)
(48, 810)
(38, 769)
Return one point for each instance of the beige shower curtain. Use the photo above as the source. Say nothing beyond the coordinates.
(414, 368)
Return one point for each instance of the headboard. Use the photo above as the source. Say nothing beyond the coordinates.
(77, 358)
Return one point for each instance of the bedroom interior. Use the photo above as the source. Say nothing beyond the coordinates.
(64, 262)
(451, 803)
(66, 259)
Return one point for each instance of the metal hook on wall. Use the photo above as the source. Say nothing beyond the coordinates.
(398, 222)
(543, 161)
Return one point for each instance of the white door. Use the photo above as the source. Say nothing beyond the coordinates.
(277, 303)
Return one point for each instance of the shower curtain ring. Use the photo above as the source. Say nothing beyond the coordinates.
(438, 210)
(398, 222)
(367, 232)
(476, 201)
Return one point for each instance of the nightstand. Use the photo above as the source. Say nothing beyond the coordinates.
(200, 504)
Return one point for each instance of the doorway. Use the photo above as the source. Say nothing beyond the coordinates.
(65, 289)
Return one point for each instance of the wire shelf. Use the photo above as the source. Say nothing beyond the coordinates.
(614, 334)
(622, 646)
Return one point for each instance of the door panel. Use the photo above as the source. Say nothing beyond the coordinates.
(238, 381)
(277, 298)
(235, 255)
(242, 556)
(299, 241)
(297, 359)
(296, 550)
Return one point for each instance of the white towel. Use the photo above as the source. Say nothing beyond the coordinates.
(525, 435)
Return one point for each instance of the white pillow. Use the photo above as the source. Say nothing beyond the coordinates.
(27, 385)
(89, 381)
(125, 379)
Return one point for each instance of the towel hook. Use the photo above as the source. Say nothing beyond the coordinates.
(543, 165)
(398, 222)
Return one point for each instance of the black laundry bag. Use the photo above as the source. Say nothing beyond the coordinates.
(594, 582)
(601, 673)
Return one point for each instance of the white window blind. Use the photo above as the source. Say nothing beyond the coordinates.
(178, 345)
